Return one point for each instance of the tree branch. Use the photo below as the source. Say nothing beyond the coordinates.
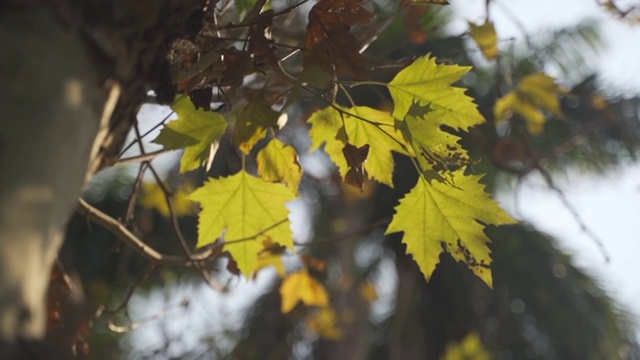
(123, 234)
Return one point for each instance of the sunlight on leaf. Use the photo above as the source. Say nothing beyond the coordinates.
(253, 122)
(301, 287)
(270, 256)
(535, 94)
(429, 84)
(152, 197)
(195, 131)
(362, 126)
(470, 348)
(245, 208)
(437, 217)
(435, 149)
(278, 162)
(485, 36)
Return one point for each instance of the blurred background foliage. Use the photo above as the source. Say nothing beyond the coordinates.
(541, 307)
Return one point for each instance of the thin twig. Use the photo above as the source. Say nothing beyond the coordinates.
(583, 226)
(142, 157)
(148, 271)
(127, 237)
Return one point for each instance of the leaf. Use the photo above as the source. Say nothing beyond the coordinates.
(271, 255)
(278, 162)
(247, 210)
(368, 292)
(253, 122)
(327, 128)
(437, 217)
(362, 126)
(323, 321)
(470, 348)
(152, 197)
(485, 36)
(435, 149)
(331, 46)
(535, 93)
(194, 130)
(301, 287)
(355, 157)
(429, 84)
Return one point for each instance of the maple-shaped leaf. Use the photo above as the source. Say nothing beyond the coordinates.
(278, 162)
(253, 122)
(194, 130)
(247, 210)
(535, 94)
(429, 84)
(362, 126)
(485, 36)
(434, 148)
(301, 287)
(437, 217)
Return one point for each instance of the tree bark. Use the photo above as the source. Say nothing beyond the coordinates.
(74, 74)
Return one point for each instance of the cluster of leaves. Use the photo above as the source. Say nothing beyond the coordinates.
(447, 209)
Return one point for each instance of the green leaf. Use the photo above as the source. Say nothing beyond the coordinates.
(535, 93)
(194, 130)
(278, 162)
(429, 84)
(253, 122)
(435, 149)
(437, 217)
(247, 211)
(361, 126)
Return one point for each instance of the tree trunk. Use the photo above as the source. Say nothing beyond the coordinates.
(73, 76)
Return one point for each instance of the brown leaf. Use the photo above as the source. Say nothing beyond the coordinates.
(201, 98)
(355, 159)
(260, 35)
(331, 46)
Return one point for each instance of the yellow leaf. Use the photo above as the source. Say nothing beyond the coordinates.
(327, 128)
(435, 149)
(253, 122)
(301, 287)
(195, 131)
(485, 36)
(270, 256)
(470, 348)
(429, 84)
(247, 210)
(368, 292)
(323, 321)
(361, 126)
(437, 217)
(535, 93)
(152, 197)
(278, 162)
